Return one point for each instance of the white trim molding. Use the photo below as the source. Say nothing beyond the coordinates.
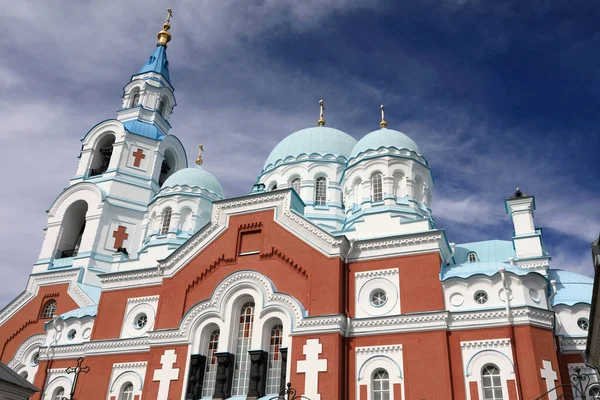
(478, 354)
(373, 358)
(122, 373)
(70, 276)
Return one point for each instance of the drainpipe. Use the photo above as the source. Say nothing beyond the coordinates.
(554, 290)
(511, 330)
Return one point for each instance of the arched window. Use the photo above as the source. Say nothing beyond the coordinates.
(241, 371)
(296, 183)
(161, 108)
(127, 393)
(102, 154)
(73, 226)
(167, 167)
(185, 221)
(49, 309)
(381, 385)
(58, 394)
(275, 363)
(491, 383)
(135, 99)
(357, 192)
(472, 257)
(398, 186)
(321, 191)
(166, 221)
(273, 187)
(210, 372)
(377, 187)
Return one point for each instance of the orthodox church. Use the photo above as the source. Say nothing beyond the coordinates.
(330, 274)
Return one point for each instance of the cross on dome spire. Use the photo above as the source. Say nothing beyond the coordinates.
(383, 122)
(164, 36)
(321, 121)
(199, 159)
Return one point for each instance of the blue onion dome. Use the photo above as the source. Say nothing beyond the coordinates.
(316, 142)
(384, 138)
(195, 177)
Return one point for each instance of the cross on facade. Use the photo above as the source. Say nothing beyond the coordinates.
(549, 376)
(120, 236)
(77, 370)
(166, 374)
(138, 156)
(311, 368)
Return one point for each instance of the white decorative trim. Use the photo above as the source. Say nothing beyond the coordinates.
(96, 348)
(24, 347)
(380, 273)
(133, 278)
(132, 372)
(48, 278)
(147, 305)
(372, 358)
(399, 323)
(82, 186)
(476, 354)
(572, 345)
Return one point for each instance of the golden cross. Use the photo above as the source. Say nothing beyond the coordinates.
(383, 123)
(170, 14)
(199, 159)
(321, 120)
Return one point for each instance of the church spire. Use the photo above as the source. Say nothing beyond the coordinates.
(164, 36)
(158, 62)
(321, 121)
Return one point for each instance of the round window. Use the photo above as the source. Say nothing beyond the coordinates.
(36, 359)
(480, 297)
(378, 298)
(583, 324)
(24, 374)
(71, 334)
(140, 321)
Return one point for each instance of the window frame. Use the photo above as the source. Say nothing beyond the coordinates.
(293, 185)
(165, 224)
(241, 369)
(46, 307)
(210, 368)
(380, 393)
(320, 191)
(493, 386)
(274, 361)
(377, 187)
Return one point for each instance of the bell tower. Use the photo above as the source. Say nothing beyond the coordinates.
(96, 222)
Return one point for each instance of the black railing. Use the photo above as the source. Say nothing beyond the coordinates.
(582, 386)
(289, 394)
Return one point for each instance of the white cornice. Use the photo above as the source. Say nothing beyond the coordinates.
(69, 276)
(394, 348)
(35, 340)
(96, 348)
(485, 344)
(572, 345)
(380, 273)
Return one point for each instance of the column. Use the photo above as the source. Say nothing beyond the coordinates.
(195, 377)
(224, 375)
(258, 374)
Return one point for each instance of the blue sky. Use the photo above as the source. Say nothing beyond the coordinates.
(497, 95)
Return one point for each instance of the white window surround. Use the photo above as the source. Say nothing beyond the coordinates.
(370, 282)
(23, 358)
(57, 378)
(320, 191)
(478, 354)
(135, 308)
(377, 187)
(123, 373)
(373, 358)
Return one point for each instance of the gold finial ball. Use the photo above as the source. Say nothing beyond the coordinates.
(383, 124)
(164, 36)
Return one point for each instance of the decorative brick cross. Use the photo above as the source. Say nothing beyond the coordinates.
(120, 236)
(549, 375)
(166, 374)
(138, 156)
(311, 368)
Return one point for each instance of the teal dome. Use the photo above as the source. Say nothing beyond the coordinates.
(195, 177)
(384, 138)
(317, 140)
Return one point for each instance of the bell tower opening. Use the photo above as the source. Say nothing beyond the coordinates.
(167, 168)
(102, 155)
(73, 226)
